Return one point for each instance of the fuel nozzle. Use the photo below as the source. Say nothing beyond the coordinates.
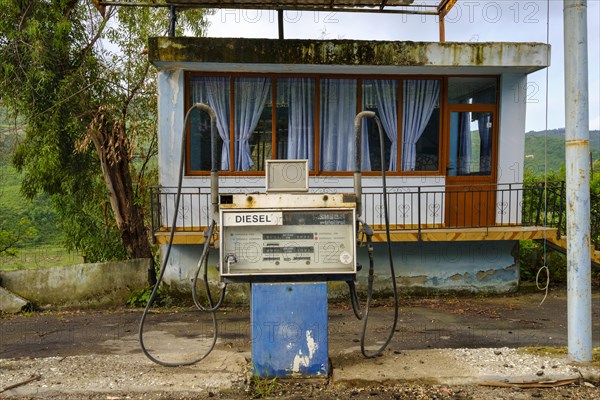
(367, 231)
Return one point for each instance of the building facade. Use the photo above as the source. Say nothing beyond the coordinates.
(454, 122)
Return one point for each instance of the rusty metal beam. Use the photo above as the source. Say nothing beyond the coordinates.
(445, 6)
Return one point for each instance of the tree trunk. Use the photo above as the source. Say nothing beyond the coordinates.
(112, 147)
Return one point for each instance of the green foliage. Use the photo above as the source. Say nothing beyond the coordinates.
(45, 62)
(595, 178)
(140, 298)
(533, 256)
(29, 309)
(40, 246)
(60, 63)
(87, 222)
(262, 387)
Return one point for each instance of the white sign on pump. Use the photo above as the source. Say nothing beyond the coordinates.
(270, 218)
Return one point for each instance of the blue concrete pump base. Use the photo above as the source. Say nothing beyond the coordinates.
(289, 329)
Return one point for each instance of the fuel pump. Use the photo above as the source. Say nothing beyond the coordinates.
(287, 243)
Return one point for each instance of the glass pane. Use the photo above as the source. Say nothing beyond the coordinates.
(252, 119)
(213, 91)
(296, 119)
(428, 144)
(420, 125)
(381, 97)
(472, 90)
(338, 109)
(470, 144)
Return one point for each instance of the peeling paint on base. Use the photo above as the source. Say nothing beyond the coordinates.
(304, 361)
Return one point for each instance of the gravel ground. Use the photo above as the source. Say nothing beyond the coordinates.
(415, 374)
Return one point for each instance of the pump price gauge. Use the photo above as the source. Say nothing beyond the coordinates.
(287, 242)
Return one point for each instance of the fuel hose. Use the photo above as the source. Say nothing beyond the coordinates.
(368, 231)
(211, 309)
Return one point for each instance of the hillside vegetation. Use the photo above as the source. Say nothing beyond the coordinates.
(33, 221)
(548, 149)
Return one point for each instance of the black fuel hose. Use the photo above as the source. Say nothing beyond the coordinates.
(163, 267)
(364, 316)
(203, 263)
(354, 300)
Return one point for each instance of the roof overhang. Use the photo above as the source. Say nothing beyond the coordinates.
(346, 56)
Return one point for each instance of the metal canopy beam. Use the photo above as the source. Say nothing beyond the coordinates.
(300, 4)
(362, 6)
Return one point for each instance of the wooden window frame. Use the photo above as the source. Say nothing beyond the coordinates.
(443, 125)
(481, 107)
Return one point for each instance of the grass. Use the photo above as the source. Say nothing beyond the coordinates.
(559, 351)
(263, 387)
(39, 257)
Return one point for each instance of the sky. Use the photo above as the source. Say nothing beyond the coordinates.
(480, 21)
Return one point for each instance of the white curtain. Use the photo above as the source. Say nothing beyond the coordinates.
(485, 134)
(251, 95)
(299, 94)
(214, 91)
(338, 109)
(420, 97)
(384, 95)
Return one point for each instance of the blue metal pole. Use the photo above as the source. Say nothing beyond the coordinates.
(577, 135)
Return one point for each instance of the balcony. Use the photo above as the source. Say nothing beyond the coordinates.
(512, 211)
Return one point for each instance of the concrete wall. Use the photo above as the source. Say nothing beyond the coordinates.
(84, 285)
(484, 266)
(488, 266)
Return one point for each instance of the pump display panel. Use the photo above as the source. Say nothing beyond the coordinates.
(287, 242)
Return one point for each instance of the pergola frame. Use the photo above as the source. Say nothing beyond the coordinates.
(439, 9)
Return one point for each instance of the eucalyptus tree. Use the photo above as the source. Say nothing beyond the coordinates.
(78, 76)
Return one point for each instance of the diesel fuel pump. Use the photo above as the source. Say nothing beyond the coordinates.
(287, 243)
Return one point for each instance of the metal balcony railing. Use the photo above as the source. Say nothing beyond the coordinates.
(410, 207)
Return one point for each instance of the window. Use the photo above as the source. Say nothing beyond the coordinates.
(470, 143)
(471, 106)
(472, 90)
(311, 118)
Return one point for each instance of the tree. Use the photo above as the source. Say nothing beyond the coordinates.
(80, 81)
